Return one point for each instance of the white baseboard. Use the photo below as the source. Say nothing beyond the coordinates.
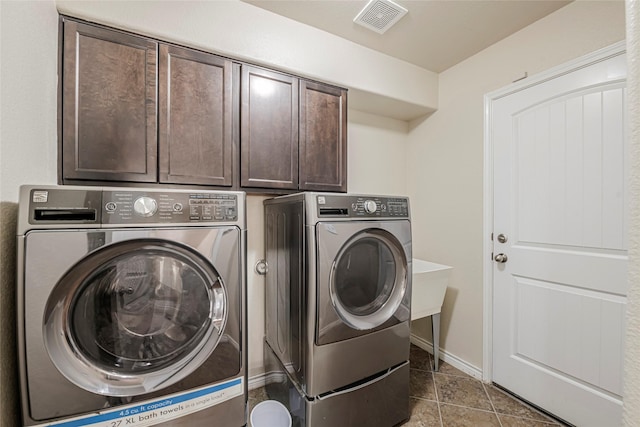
(452, 360)
(263, 379)
(257, 381)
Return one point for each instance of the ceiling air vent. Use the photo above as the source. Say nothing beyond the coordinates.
(380, 15)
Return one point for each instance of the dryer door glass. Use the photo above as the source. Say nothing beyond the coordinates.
(365, 276)
(368, 279)
(142, 313)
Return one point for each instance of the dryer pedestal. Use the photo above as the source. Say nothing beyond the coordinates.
(381, 400)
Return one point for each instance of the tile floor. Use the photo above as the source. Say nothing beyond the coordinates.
(451, 398)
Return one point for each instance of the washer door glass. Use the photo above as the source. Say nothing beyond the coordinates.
(134, 317)
(368, 279)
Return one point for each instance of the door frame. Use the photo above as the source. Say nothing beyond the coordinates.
(487, 246)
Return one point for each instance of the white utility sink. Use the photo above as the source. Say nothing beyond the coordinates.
(429, 285)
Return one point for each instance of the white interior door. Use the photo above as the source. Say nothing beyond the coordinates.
(560, 201)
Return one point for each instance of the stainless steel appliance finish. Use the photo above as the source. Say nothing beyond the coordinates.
(131, 306)
(381, 400)
(338, 291)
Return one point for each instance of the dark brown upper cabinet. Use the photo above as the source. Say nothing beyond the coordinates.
(134, 110)
(196, 120)
(108, 105)
(137, 110)
(269, 129)
(294, 133)
(323, 137)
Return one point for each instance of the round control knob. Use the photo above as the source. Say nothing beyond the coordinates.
(370, 206)
(145, 206)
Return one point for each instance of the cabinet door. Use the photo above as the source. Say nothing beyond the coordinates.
(269, 135)
(195, 117)
(323, 137)
(108, 105)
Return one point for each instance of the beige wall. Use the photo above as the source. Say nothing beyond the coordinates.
(377, 154)
(28, 79)
(445, 156)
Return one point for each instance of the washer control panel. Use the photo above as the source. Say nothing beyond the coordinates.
(347, 206)
(132, 207)
(62, 206)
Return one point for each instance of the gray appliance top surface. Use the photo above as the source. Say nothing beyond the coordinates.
(66, 207)
(348, 207)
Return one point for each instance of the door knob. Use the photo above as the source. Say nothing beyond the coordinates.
(501, 258)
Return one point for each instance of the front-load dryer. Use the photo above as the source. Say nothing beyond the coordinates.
(338, 295)
(131, 307)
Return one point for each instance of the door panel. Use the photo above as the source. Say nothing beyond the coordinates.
(108, 105)
(195, 122)
(323, 137)
(560, 198)
(269, 129)
(583, 347)
(570, 170)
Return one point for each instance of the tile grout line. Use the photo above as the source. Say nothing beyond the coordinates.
(491, 402)
(435, 389)
(472, 408)
(547, 419)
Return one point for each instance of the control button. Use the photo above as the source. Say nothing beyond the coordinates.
(177, 207)
(145, 206)
(370, 206)
(111, 207)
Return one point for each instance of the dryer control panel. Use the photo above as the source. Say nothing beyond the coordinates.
(361, 206)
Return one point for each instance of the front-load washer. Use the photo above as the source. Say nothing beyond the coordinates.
(338, 295)
(131, 307)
